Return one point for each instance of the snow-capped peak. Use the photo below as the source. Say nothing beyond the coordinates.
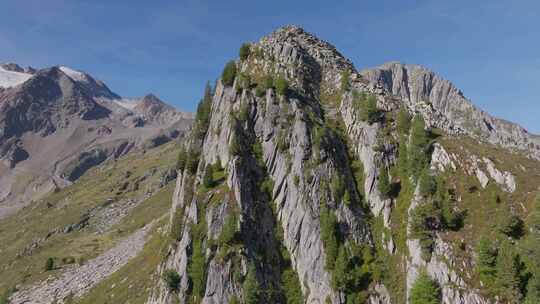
(74, 74)
(11, 78)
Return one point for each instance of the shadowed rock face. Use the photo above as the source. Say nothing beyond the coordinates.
(61, 122)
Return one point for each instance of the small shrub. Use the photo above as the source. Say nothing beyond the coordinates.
(427, 184)
(202, 116)
(177, 224)
(296, 180)
(509, 224)
(243, 114)
(243, 82)
(229, 73)
(172, 279)
(345, 78)
(268, 82)
(208, 178)
(425, 290)
(508, 268)
(260, 90)
(384, 185)
(425, 219)
(251, 286)
(192, 162)
(181, 160)
(229, 230)
(245, 50)
(49, 264)
(235, 149)
(291, 285)
(329, 236)
(337, 186)
(403, 121)
(371, 113)
(486, 257)
(282, 86)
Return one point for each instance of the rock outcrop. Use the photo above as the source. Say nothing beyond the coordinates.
(292, 159)
(444, 106)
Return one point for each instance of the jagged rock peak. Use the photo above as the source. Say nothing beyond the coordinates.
(325, 53)
(152, 105)
(444, 106)
(13, 67)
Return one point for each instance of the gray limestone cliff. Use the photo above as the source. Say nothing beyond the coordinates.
(292, 160)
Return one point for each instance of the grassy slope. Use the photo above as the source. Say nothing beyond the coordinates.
(68, 205)
(479, 204)
(133, 282)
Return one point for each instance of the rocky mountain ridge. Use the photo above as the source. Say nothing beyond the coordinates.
(316, 190)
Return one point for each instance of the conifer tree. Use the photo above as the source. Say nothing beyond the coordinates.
(425, 290)
(417, 152)
(251, 287)
(384, 185)
(508, 274)
(486, 260)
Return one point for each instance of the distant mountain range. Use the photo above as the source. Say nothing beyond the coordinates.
(56, 123)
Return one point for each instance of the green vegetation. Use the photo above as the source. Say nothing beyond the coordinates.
(202, 116)
(370, 112)
(337, 186)
(508, 279)
(403, 121)
(509, 224)
(229, 73)
(243, 82)
(197, 263)
(427, 183)
(245, 50)
(131, 283)
(437, 212)
(417, 154)
(486, 261)
(172, 279)
(345, 79)
(49, 264)
(229, 233)
(384, 185)
(177, 224)
(251, 287)
(282, 85)
(424, 222)
(235, 149)
(192, 162)
(329, 236)
(425, 290)
(508, 271)
(208, 181)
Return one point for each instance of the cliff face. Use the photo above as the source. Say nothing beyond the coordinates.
(297, 183)
(419, 87)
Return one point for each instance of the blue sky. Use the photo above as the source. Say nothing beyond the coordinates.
(489, 49)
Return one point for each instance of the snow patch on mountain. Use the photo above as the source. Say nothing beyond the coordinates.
(127, 103)
(10, 78)
(74, 74)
